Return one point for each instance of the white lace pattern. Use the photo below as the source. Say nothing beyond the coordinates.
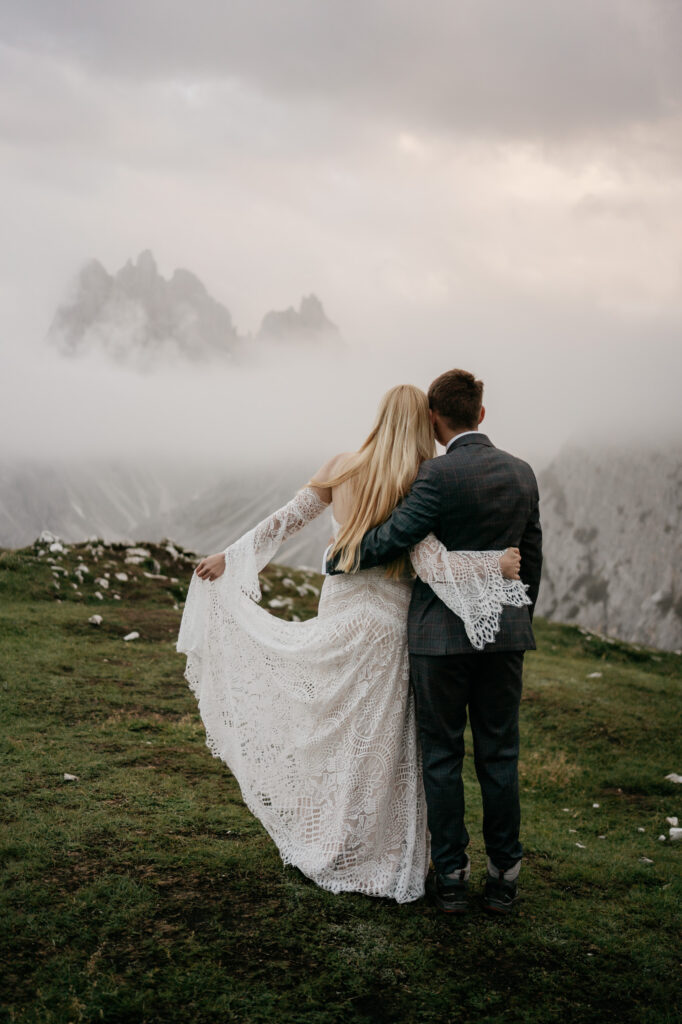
(316, 719)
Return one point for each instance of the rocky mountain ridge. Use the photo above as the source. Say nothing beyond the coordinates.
(138, 317)
(611, 525)
(611, 522)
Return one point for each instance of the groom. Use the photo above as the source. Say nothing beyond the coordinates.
(475, 497)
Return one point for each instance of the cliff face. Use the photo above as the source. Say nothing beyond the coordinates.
(137, 316)
(142, 319)
(611, 521)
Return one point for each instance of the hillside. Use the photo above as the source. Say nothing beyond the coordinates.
(138, 888)
(612, 524)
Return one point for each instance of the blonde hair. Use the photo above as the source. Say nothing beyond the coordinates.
(383, 470)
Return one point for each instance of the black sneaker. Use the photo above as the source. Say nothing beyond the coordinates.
(499, 894)
(450, 894)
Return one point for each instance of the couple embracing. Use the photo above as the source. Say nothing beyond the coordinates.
(346, 732)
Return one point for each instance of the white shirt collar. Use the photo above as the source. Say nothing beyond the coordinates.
(457, 437)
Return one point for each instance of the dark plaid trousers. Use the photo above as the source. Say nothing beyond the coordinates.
(489, 685)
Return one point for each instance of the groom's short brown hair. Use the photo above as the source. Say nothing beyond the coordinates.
(457, 396)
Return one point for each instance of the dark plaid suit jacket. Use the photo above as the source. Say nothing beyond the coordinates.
(474, 498)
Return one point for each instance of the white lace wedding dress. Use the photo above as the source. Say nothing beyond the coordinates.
(316, 719)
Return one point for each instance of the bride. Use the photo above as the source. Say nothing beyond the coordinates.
(316, 719)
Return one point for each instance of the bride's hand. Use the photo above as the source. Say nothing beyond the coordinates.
(213, 566)
(510, 564)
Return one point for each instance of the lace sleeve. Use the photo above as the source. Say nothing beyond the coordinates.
(470, 583)
(247, 556)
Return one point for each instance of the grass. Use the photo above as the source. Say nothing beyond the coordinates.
(145, 892)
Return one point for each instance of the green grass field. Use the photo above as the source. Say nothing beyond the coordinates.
(144, 891)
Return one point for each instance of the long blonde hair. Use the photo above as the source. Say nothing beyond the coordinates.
(383, 470)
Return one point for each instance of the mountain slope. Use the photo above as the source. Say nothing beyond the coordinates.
(611, 522)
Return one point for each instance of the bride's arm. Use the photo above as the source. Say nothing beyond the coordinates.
(271, 532)
(475, 585)
(433, 563)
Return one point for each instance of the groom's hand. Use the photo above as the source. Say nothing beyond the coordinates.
(330, 566)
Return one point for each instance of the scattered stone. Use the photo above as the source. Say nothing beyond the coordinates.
(661, 839)
(102, 582)
(595, 675)
(640, 829)
(280, 602)
(601, 837)
(56, 547)
(646, 860)
(675, 834)
(580, 846)
(116, 597)
(672, 821)
(122, 576)
(155, 576)
(673, 777)
(70, 778)
(135, 556)
(99, 596)
(287, 582)
(95, 620)
(596, 805)
(131, 636)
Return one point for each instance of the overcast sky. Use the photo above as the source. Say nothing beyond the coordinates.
(489, 183)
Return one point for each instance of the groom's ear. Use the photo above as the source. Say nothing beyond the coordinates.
(482, 416)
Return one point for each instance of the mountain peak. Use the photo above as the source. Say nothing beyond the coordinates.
(309, 323)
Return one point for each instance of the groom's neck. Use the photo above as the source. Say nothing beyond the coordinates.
(449, 435)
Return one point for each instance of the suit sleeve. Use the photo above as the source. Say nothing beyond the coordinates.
(531, 553)
(409, 523)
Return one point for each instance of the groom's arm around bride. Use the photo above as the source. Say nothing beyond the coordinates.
(475, 497)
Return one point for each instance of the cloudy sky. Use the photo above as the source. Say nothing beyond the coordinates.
(489, 183)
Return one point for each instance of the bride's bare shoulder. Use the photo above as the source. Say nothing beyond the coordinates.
(331, 468)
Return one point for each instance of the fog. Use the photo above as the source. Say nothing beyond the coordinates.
(483, 184)
(292, 403)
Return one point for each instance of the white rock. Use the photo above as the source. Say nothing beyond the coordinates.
(56, 546)
(596, 805)
(155, 576)
(99, 596)
(70, 778)
(102, 582)
(117, 597)
(675, 834)
(595, 675)
(122, 576)
(135, 556)
(661, 839)
(131, 636)
(673, 777)
(601, 837)
(573, 830)
(646, 860)
(82, 568)
(47, 537)
(95, 620)
(580, 846)
(279, 602)
(287, 582)
(640, 829)
(672, 821)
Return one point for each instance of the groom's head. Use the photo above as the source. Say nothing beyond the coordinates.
(456, 404)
